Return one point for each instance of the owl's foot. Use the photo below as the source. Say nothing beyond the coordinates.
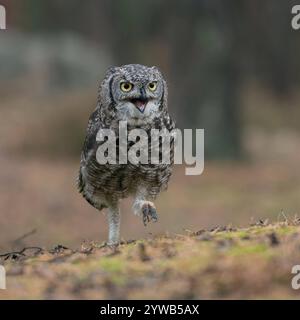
(149, 213)
(112, 244)
(146, 210)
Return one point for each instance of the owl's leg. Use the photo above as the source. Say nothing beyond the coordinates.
(114, 219)
(144, 208)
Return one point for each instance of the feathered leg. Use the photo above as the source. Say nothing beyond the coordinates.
(114, 219)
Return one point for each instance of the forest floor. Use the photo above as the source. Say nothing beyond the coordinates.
(221, 263)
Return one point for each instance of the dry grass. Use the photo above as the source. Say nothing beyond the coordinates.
(224, 263)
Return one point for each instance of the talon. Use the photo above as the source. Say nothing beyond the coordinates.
(153, 214)
(112, 245)
(149, 214)
(145, 210)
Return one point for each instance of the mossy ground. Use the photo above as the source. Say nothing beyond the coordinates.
(223, 263)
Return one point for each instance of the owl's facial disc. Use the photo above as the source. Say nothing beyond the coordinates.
(137, 96)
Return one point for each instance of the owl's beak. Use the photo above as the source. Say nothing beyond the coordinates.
(140, 104)
(141, 101)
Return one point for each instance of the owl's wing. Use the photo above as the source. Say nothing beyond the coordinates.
(91, 133)
(89, 144)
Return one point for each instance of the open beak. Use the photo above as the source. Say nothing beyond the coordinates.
(140, 104)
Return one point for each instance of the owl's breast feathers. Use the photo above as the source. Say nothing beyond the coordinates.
(96, 181)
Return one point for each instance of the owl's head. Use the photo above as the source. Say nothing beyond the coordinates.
(137, 93)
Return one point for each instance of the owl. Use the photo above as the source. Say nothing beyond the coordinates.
(136, 94)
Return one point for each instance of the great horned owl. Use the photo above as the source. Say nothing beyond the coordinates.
(136, 94)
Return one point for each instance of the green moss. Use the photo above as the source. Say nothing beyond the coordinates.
(195, 257)
(245, 250)
(191, 259)
(286, 230)
(241, 234)
(112, 264)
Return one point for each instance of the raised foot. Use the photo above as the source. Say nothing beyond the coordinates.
(149, 213)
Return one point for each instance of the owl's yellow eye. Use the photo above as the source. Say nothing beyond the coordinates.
(126, 86)
(152, 85)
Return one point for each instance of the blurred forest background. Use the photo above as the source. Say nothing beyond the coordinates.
(232, 68)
